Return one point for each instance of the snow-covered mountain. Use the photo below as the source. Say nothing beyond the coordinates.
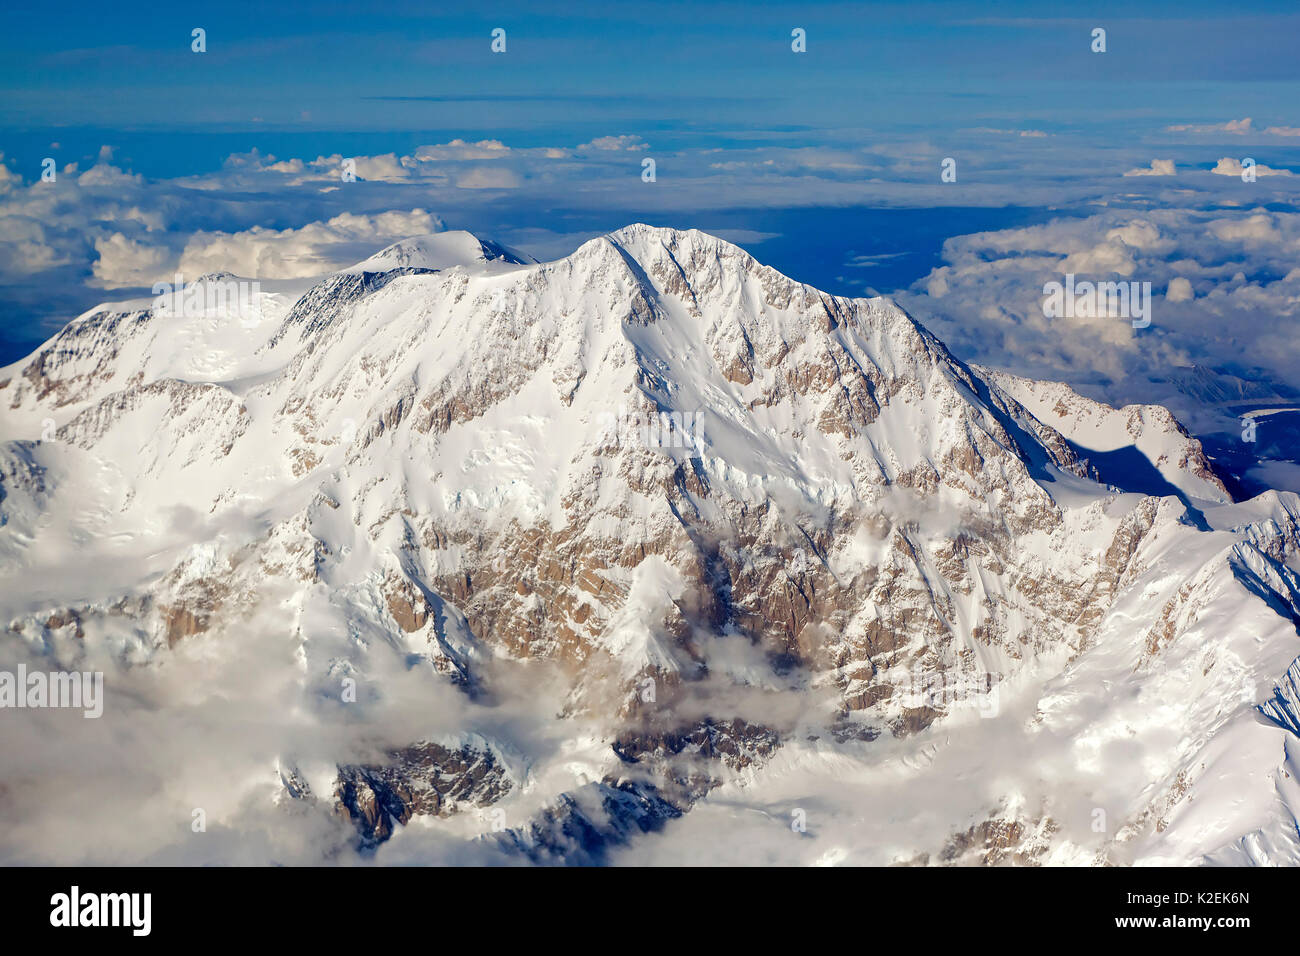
(1142, 446)
(647, 554)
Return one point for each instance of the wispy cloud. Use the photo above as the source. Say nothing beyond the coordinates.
(1236, 127)
(1158, 167)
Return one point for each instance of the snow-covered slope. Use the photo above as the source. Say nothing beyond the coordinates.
(1107, 438)
(594, 558)
(442, 250)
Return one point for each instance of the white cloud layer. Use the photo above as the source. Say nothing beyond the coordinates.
(1158, 167)
(314, 249)
(1237, 127)
(1225, 288)
(1228, 166)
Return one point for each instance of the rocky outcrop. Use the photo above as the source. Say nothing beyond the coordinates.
(425, 779)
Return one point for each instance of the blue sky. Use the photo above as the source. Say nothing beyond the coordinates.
(825, 164)
(720, 71)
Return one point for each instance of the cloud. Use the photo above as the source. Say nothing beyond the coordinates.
(1180, 290)
(384, 168)
(8, 178)
(458, 149)
(314, 249)
(387, 168)
(79, 219)
(125, 263)
(487, 177)
(1282, 131)
(102, 174)
(615, 143)
(1227, 166)
(805, 161)
(1236, 127)
(28, 248)
(1260, 227)
(1231, 299)
(204, 730)
(868, 262)
(1159, 167)
(1026, 133)
(457, 164)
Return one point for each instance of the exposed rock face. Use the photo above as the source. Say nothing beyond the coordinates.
(999, 840)
(683, 758)
(421, 780)
(728, 513)
(582, 826)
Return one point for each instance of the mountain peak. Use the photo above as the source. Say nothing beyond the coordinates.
(639, 239)
(441, 250)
